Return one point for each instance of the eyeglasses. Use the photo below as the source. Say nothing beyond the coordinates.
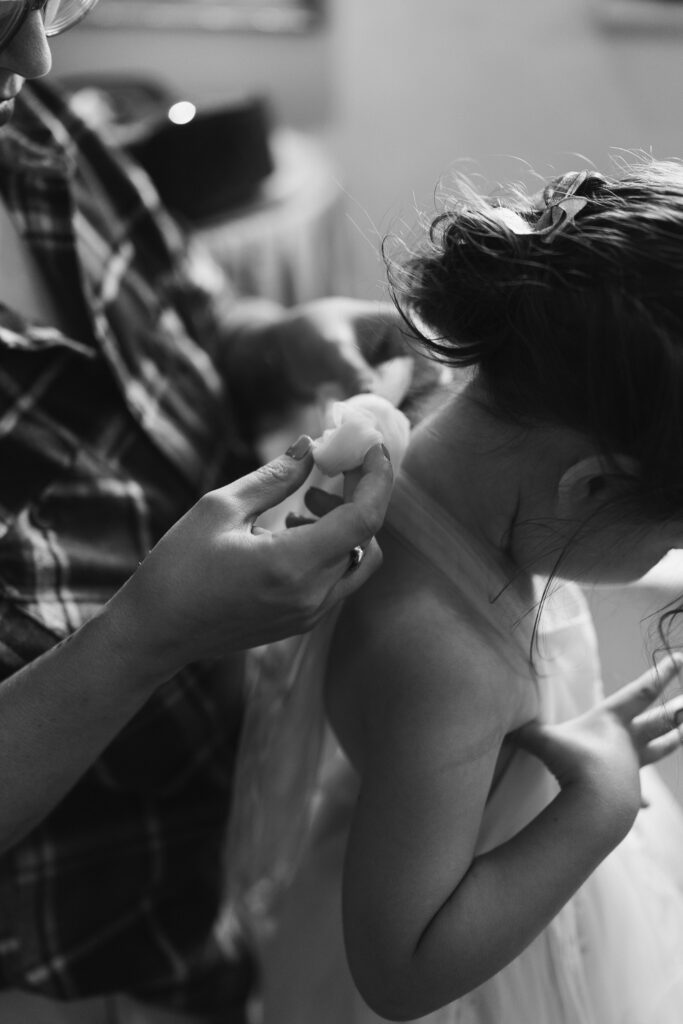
(57, 15)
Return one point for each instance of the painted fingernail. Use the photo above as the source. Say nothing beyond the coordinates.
(300, 448)
(292, 520)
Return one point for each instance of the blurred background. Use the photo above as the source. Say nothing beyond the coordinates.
(399, 90)
(364, 106)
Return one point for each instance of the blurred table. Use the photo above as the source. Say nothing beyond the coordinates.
(287, 245)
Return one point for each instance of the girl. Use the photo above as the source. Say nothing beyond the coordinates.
(497, 866)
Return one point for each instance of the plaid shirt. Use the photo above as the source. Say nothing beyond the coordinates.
(109, 431)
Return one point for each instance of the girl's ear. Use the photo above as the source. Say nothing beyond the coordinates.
(592, 482)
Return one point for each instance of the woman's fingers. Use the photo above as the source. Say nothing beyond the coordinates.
(636, 697)
(333, 556)
(268, 485)
(354, 575)
(356, 521)
(323, 584)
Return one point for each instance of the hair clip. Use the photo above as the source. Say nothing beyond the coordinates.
(558, 205)
(562, 204)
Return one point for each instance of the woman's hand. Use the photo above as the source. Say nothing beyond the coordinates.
(215, 583)
(603, 750)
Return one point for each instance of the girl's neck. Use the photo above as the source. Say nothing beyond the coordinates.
(498, 480)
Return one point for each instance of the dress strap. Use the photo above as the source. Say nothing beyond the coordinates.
(416, 520)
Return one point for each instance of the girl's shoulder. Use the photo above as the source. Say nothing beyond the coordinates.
(412, 663)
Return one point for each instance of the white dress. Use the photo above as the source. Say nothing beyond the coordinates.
(614, 953)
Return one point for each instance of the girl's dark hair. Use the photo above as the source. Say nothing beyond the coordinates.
(581, 325)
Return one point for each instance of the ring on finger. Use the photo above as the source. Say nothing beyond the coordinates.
(356, 556)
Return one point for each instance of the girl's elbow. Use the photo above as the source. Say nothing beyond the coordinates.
(401, 997)
(382, 987)
(391, 1005)
(406, 993)
(401, 980)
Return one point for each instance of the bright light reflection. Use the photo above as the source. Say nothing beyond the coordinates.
(182, 112)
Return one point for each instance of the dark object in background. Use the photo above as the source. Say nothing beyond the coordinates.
(213, 162)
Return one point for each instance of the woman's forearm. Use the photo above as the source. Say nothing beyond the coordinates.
(503, 902)
(211, 587)
(56, 716)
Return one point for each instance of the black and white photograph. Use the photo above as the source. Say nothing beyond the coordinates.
(341, 511)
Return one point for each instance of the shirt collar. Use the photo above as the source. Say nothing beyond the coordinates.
(35, 140)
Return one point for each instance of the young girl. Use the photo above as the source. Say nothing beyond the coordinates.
(498, 867)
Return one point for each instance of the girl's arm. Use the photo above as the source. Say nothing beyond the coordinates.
(425, 919)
